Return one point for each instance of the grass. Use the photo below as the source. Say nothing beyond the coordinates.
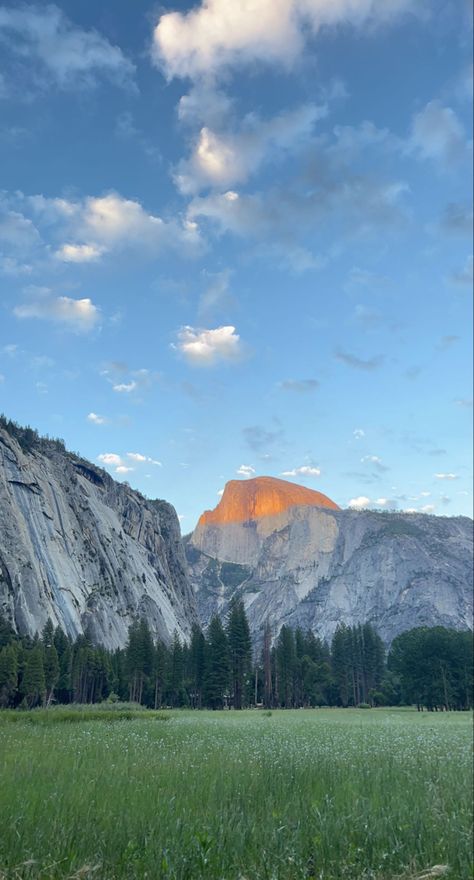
(298, 795)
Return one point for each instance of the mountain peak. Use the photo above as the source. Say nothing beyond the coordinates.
(245, 500)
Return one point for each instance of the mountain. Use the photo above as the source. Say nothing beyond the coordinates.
(84, 550)
(296, 558)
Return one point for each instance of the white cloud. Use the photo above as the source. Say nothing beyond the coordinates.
(446, 476)
(224, 33)
(123, 469)
(77, 314)
(139, 458)
(110, 458)
(206, 347)
(87, 230)
(375, 459)
(96, 419)
(437, 134)
(360, 502)
(303, 471)
(125, 387)
(67, 54)
(79, 253)
(359, 433)
(246, 470)
(228, 158)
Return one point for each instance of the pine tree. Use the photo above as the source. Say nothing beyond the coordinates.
(341, 656)
(240, 650)
(8, 674)
(33, 685)
(50, 661)
(267, 666)
(216, 675)
(197, 660)
(286, 665)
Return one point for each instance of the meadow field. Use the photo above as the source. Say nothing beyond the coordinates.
(287, 795)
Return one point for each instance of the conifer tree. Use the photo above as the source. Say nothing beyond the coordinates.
(286, 665)
(197, 660)
(8, 674)
(33, 685)
(216, 675)
(240, 650)
(50, 661)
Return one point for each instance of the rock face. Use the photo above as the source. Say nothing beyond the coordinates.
(84, 550)
(316, 566)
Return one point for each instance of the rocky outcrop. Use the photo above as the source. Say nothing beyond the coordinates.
(89, 553)
(313, 566)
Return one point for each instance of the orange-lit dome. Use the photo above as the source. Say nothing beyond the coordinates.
(245, 500)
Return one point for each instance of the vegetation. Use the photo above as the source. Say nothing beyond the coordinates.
(268, 795)
(429, 667)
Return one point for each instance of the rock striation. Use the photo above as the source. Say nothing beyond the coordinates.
(88, 552)
(314, 565)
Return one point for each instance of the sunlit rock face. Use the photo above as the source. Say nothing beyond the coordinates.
(245, 500)
(314, 565)
(86, 551)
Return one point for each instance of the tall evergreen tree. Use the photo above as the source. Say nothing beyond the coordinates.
(33, 685)
(240, 651)
(286, 666)
(8, 674)
(217, 667)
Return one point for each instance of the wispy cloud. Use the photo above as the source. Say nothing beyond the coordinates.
(357, 363)
(449, 476)
(301, 386)
(304, 471)
(47, 48)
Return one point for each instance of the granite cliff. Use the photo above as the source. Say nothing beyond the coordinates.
(305, 562)
(84, 550)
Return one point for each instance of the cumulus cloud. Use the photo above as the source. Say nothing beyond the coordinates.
(304, 471)
(437, 134)
(86, 230)
(301, 386)
(110, 458)
(360, 502)
(79, 253)
(246, 470)
(357, 363)
(95, 419)
(222, 34)
(64, 54)
(208, 347)
(123, 469)
(223, 159)
(80, 315)
(446, 476)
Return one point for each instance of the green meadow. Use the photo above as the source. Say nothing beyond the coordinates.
(122, 793)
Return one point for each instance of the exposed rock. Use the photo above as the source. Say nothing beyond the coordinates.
(315, 567)
(84, 550)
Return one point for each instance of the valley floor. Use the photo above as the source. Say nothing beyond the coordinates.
(324, 794)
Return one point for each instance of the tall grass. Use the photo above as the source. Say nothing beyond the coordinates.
(326, 794)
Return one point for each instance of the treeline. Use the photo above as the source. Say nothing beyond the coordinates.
(429, 667)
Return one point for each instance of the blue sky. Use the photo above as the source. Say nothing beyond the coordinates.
(236, 239)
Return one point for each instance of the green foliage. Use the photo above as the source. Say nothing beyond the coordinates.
(435, 667)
